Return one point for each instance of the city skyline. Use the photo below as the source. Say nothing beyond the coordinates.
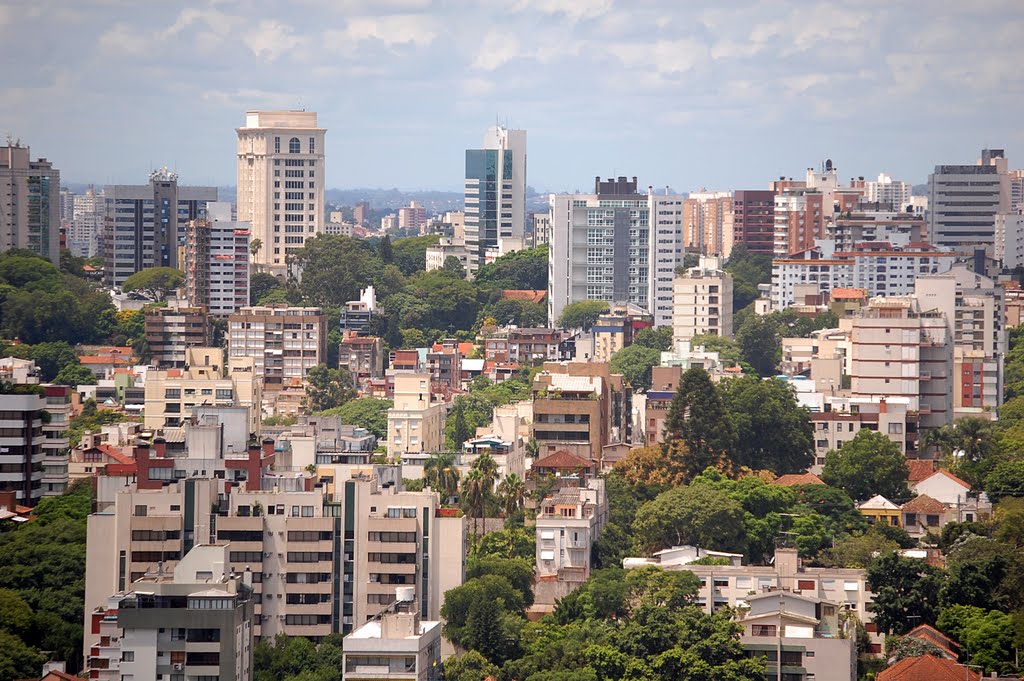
(720, 98)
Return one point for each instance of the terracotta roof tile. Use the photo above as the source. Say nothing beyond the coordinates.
(562, 459)
(798, 479)
(923, 504)
(943, 471)
(524, 294)
(927, 668)
(921, 469)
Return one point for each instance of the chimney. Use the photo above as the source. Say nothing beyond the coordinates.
(268, 448)
(160, 446)
(881, 406)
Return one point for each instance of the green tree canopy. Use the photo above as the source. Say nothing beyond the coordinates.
(697, 418)
(635, 362)
(1006, 480)
(335, 268)
(410, 253)
(657, 337)
(328, 388)
(366, 412)
(867, 465)
(760, 343)
(520, 270)
(75, 375)
(154, 283)
(906, 591)
(773, 431)
(582, 314)
(697, 515)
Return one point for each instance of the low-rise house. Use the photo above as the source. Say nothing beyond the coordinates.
(880, 510)
(955, 494)
(927, 668)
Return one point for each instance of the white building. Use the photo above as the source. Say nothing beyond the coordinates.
(217, 261)
(447, 247)
(1009, 246)
(615, 245)
(398, 646)
(416, 422)
(964, 200)
(888, 192)
(568, 523)
(702, 301)
(495, 194)
(879, 268)
(89, 214)
(281, 177)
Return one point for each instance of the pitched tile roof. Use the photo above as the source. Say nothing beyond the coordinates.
(562, 459)
(927, 668)
(926, 632)
(524, 294)
(791, 479)
(943, 471)
(921, 469)
(924, 504)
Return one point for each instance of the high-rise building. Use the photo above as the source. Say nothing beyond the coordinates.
(708, 223)
(217, 261)
(1009, 246)
(888, 193)
(285, 342)
(416, 421)
(21, 457)
(29, 203)
(171, 331)
(703, 301)
(802, 209)
(412, 217)
(361, 213)
(88, 220)
(281, 175)
(495, 194)
(146, 224)
(615, 245)
(754, 219)
(963, 202)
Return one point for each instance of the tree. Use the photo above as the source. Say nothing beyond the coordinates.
(657, 337)
(518, 571)
(512, 491)
(154, 283)
(867, 465)
(470, 666)
(907, 646)
(410, 253)
(460, 430)
(442, 475)
(255, 246)
(655, 466)
(906, 591)
(52, 357)
(474, 496)
(582, 314)
(760, 344)
(511, 542)
(858, 552)
(328, 388)
(1006, 480)
(635, 362)
(520, 270)
(384, 250)
(697, 418)
(366, 412)
(335, 268)
(260, 284)
(453, 267)
(697, 514)
(773, 431)
(75, 375)
(747, 270)
(475, 616)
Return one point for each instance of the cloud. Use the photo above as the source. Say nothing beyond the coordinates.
(419, 30)
(122, 39)
(271, 39)
(477, 87)
(496, 49)
(664, 57)
(573, 10)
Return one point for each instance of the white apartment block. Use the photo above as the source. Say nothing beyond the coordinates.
(888, 192)
(702, 301)
(416, 421)
(88, 220)
(446, 248)
(281, 176)
(285, 342)
(881, 269)
(900, 350)
(1009, 246)
(708, 223)
(397, 647)
(568, 523)
(615, 245)
(964, 200)
(217, 261)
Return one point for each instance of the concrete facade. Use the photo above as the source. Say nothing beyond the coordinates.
(284, 342)
(702, 301)
(495, 191)
(30, 197)
(963, 201)
(217, 261)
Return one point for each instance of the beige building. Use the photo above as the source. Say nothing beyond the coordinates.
(284, 342)
(708, 223)
(29, 203)
(416, 422)
(172, 394)
(568, 523)
(702, 301)
(398, 647)
(281, 178)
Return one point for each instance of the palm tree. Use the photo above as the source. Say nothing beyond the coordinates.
(441, 474)
(513, 493)
(942, 439)
(488, 468)
(474, 492)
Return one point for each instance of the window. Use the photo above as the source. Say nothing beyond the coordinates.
(294, 146)
(277, 145)
(312, 145)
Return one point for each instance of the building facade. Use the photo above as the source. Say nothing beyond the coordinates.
(397, 647)
(284, 342)
(495, 192)
(88, 220)
(30, 201)
(217, 261)
(754, 219)
(963, 202)
(171, 331)
(887, 192)
(281, 175)
(708, 222)
(702, 301)
(416, 421)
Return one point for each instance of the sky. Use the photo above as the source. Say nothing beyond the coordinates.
(681, 93)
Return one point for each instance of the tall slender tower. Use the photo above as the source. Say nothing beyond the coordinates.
(29, 202)
(281, 182)
(495, 196)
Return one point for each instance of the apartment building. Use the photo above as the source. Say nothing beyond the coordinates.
(841, 418)
(362, 357)
(146, 224)
(702, 301)
(284, 342)
(580, 407)
(412, 217)
(55, 439)
(879, 268)
(1009, 239)
(30, 196)
(195, 622)
(447, 247)
(88, 220)
(708, 223)
(754, 220)
(849, 230)
(963, 202)
(357, 314)
(975, 308)
(902, 350)
(568, 523)
(281, 182)
(416, 421)
(21, 443)
(615, 245)
(887, 192)
(806, 630)
(611, 332)
(400, 646)
(802, 209)
(172, 394)
(495, 194)
(217, 261)
(172, 330)
(444, 364)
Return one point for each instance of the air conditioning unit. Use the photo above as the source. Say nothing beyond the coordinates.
(178, 666)
(267, 554)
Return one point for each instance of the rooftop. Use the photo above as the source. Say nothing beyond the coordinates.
(927, 668)
(562, 460)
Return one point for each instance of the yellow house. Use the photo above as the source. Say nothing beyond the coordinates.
(878, 509)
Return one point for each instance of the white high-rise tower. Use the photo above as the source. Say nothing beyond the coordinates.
(281, 182)
(495, 195)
